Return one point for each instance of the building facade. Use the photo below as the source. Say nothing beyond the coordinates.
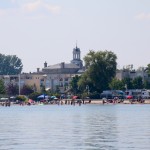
(52, 77)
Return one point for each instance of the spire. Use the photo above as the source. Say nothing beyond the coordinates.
(76, 44)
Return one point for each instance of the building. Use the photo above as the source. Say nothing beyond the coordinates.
(132, 73)
(52, 77)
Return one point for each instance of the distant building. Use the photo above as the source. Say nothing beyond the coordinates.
(53, 77)
(128, 73)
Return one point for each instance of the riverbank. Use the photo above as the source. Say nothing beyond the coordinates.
(78, 102)
(126, 101)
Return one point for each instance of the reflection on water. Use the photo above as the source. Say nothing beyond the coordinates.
(88, 127)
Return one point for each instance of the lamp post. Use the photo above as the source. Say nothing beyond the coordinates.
(19, 83)
(45, 77)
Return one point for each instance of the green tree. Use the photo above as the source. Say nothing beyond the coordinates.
(10, 65)
(116, 84)
(2, 87)
(137, 83)
(100, 69)
(34, 95)
(128, 83)
(12, 89)
(74, 84)
(148, 69)
(27, 90)
(146, 84)
(22, 98)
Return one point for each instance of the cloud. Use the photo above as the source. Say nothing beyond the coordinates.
(143, 16)
(36, 7)
(39, 6)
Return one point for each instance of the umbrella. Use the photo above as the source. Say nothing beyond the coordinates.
(74, 97)
(42, 96)
(129, 97)
(53, 97)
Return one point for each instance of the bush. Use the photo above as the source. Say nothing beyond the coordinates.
(22, 98)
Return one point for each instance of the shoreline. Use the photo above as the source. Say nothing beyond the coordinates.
(79, 102)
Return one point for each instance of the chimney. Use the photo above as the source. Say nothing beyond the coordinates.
(45, 64)
(38, 70)
(62, 65)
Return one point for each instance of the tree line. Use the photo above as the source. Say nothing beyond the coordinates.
(99, 75)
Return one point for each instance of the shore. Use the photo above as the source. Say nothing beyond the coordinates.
(126, 101)
(79, 102)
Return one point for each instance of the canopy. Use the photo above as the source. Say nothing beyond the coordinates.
(129, 97)
(42, 96)
(3, 98)
(53, 97)
(74, 97)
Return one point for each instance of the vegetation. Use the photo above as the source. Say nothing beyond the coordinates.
(26, 90)
(12, 89)
(34, 95)
(21, 98)
(2, 87)
(10, 65)
(101, 68)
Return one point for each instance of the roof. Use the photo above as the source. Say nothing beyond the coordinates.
(59, 66)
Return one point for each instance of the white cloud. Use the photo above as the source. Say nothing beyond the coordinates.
(143, 16)
(52, 8)
(30, 7)
(39, 5)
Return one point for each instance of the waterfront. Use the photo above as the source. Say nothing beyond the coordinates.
(85, 127)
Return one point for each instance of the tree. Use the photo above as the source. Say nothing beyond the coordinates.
(12, 89)
(128, 83)
(137, 83)
(10, 65)
(116, 84)
(26, 90)
(74, 84)
(2, 87)
(148, 69)
(34, 95)
(146, 84)
(100, 69)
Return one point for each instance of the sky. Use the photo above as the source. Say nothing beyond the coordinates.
(47, 30)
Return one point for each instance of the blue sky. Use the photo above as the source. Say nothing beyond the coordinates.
(47, 30)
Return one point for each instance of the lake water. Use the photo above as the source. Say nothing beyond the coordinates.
(85, 127)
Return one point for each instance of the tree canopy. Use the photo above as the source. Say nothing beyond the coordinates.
(100, 69)
(10, 65)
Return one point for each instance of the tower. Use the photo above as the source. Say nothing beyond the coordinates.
(76, 57)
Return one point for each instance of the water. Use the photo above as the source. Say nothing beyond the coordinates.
(86, 127)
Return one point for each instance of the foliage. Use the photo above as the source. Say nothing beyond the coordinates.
(34, 95)
(12, 89)
(26, 90)
(94, 95)
(21, 98)
(74, 85)
(137, 83)
(116, 84)
(148, 69)
(100, 69)
(2, 87)
(146, 84)
(10, 65)
(128, 82)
